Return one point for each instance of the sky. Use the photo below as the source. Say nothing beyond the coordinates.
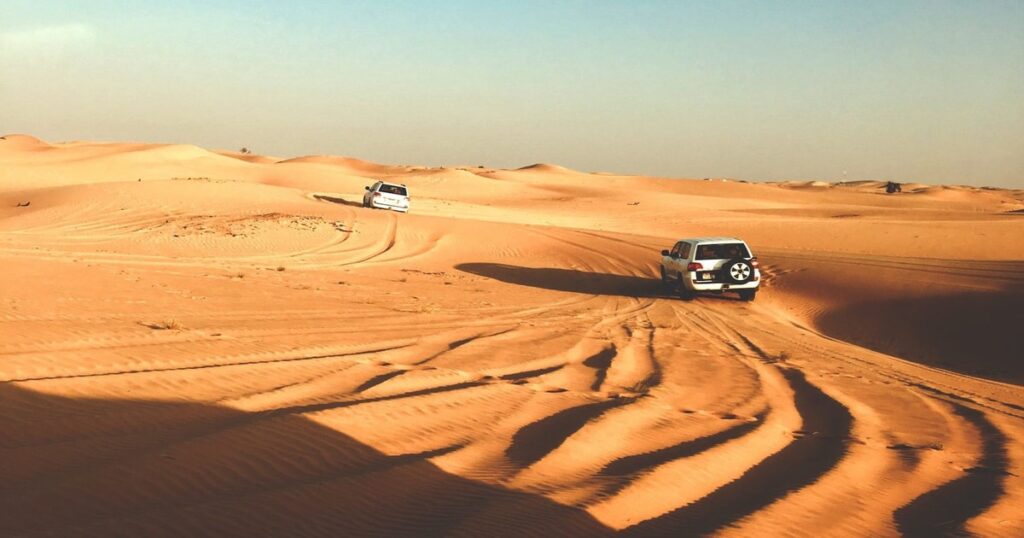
(929, 91)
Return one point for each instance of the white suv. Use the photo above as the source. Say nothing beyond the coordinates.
(715, 264)
(387, 196)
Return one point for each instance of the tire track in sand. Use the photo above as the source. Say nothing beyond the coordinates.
(826, 427)
(537, 439)
(947, 509)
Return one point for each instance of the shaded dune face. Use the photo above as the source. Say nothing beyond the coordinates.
(199, 344)
(166, 469)
(959, 315)
(973, 333)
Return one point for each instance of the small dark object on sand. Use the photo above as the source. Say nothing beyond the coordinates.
(892, 187)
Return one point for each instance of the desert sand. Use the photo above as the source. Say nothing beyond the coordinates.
(196, 343)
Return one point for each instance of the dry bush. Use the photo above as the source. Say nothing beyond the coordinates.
(165, 325)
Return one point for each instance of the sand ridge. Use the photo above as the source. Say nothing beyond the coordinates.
(200, 342)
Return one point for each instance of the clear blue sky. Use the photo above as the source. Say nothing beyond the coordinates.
(914, 90)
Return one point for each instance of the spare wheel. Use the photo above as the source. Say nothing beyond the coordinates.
(738, 271)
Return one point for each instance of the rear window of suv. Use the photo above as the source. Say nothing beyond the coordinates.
(722, 251)
(393, 189)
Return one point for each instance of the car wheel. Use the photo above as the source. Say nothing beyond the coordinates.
(738, 271)
(664, 277)
(748, 295)
(684, 293)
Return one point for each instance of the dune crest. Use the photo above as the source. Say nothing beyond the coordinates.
(549, 169)
(348, 163)
(21, 142)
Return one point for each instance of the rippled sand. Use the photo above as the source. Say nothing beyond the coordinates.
(199, 343)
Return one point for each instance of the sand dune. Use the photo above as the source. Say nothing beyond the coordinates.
(203, 343)
(547, 168)
(248, 157)
(353, 165)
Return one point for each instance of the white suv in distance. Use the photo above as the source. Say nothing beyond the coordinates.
(387, 196)
(715, 264)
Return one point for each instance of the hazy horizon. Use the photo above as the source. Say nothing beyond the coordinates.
(913, 91)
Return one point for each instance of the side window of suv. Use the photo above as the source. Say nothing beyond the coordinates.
(684, 250)
(675, 250)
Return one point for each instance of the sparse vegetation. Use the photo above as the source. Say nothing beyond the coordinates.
(165, 325)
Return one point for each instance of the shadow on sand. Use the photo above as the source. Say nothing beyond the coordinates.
(147, 468)
(336, 200)
(575, 281)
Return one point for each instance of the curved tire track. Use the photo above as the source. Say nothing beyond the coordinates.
(947, 509)
(827, 425)
(534, 441)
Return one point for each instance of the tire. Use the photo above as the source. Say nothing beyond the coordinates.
(738, 271)
(748, 295)
(665, 280)
(685, 294)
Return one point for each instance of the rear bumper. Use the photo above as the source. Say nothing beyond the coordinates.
(689, 283)
(381, 205)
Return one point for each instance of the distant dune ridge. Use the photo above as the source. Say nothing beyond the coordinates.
(217, 342)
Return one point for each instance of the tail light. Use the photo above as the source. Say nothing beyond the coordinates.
(694, 266)
(754, 262)
(376, 194)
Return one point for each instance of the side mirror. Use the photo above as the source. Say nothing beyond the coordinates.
(664, 253)
(366, 187)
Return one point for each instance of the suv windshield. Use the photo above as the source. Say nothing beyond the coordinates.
(392, 189)
(722, 251)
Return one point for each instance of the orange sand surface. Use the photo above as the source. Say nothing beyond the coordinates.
(200, 343)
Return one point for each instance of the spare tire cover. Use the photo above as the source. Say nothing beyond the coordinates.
(738, 271)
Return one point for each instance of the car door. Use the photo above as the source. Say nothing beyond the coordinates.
(672, 263)
(683, 258)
